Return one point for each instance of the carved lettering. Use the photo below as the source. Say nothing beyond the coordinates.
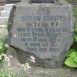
(42, 33)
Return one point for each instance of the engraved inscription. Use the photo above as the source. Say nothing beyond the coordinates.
(42, 33)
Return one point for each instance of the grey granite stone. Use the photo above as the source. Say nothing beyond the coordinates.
(72, 27)
(41, 72)
(41, 30)
(1, 7)
(12, 51)
(16, 67)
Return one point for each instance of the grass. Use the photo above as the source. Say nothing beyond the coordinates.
(3, 73)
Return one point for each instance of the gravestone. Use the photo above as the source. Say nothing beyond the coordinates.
(44, 30)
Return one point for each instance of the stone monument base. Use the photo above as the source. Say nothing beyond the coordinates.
(38, 71)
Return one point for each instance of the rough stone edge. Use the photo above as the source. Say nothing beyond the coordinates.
(10, 23)
(72, 31)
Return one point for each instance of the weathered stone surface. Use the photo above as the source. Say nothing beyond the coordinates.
(5, 13)
(16, 67)
(41, 30)
(3, 20)
(1, 8)
(62, 72)
(12, 51)
(8, 7)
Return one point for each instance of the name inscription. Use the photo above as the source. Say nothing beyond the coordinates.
(41, 33)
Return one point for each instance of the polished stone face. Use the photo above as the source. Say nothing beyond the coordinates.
(43, 30)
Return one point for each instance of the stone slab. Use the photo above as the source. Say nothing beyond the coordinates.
(1, 8)
(3, 20)
(41, 72)
(41, 30)
(5, 13)
(16, 67)
(8, 7)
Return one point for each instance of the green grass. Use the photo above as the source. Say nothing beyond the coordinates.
(4, 73)
(3, 48)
